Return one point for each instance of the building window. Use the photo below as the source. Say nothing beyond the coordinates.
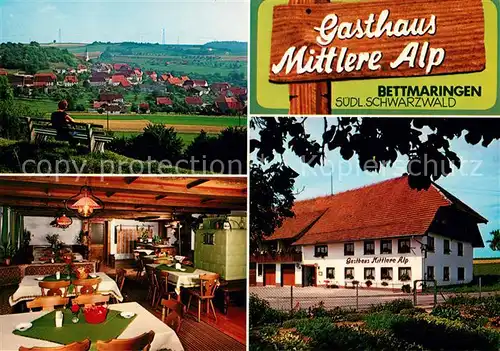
(370, 273)
(461, 273)
(208, 238)
(386, 246)
(404, 246)
(349, 249)
(259, 270)
(330, 273)
(430, 272)
(446, 274)
(370, 247)
(446, 247)
(349, 273)
(386, 273)
(404, 274)
(430, 244)
(460, 251)
(321, 251)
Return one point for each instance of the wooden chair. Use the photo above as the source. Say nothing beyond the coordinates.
(120, 277)
(55, 288)
(139, 265)
(91, 299)
(162, 289)
(140, 343)
(75, 346)
(208, 285)
(86, 286)
(153, 285)
(174, 311)
(47, 303)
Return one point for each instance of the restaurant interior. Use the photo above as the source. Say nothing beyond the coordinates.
(123, 263)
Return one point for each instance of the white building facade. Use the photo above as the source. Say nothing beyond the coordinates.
(442, 251)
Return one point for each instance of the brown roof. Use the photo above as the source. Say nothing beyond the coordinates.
(382, 210)
(296, 225)
(163, 101)
(193, 100)
(110, 96)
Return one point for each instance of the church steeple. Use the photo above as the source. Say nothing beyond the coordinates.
(87, 54)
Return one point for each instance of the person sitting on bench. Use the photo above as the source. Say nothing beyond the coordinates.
(63, 123)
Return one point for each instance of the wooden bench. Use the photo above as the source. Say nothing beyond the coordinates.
(40, 129)
(230, 287)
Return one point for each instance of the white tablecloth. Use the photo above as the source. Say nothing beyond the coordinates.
(165, 337)
(183, 279)
(146, 251)
(28, 289)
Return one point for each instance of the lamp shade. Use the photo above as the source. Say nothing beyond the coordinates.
(63, 221)
(85, 203)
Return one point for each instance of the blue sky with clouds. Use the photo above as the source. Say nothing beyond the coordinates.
(477, 182)
(190, 21)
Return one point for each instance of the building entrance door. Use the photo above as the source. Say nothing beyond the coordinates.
(308, 276)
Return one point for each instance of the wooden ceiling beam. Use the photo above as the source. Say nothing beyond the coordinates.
(118, 186)
(196, 183)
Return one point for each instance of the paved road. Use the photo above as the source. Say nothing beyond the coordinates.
(304, 297)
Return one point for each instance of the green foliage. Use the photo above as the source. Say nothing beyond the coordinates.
(383, 320)
(394, 306)
(12, 123)
(158, 142)
(261, 312)
(6, 92)
(406, 288)
(7, 250)
(446, 312)
(495, 240)
(435, 333)
(33, 57)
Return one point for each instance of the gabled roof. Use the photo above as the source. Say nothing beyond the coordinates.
(119, 78)
(296, 225)
(382, 210)
(163, 101)
(174, 81)
(193, 100)
(71, 79)
(110, 96)
(45, 77)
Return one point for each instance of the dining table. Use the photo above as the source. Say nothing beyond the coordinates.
(142, 321)
(190, 278)
(28, 288)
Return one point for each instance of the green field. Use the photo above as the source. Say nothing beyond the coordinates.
(187, 138)
(194, 120)
(486, 269)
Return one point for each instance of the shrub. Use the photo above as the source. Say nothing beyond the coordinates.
(406, 288)
(437, 333)
(158, 143)
(394, 306)
(262, 313)
(411, 311)
(446, 312)
(383, 320)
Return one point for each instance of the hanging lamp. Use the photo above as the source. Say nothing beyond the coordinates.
(85, 203)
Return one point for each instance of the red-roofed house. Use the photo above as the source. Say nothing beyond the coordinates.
(218, 88)
(194, 83)
(43, 80)
(81, 69)
(385, 233)
(153, 76)
(184, 78)
(69, 81)
(121, 66)
(228, 104)
(111, 97)
(193, 100)
(119, 79)
(164, 101)
(175, 81)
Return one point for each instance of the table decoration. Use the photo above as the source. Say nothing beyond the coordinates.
(95, 314)
(182, 268)
(75, 309)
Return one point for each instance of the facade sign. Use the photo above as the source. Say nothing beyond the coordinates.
(378, 260)
(418, 57)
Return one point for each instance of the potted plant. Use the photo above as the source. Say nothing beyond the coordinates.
(404, 277)
(385, 284)
(368, 283)
(355, 283)
(8, 251)
(156, 239)
(406, 288)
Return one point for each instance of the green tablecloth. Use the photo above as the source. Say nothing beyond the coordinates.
(44, 328)
(52, 278)
(164, 267)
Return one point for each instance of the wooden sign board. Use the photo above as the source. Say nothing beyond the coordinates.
(376, 39)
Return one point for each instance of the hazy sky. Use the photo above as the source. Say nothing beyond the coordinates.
(477, 183)
(190, 21)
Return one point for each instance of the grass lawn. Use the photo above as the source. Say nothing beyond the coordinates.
(43, 105)
(219, 121)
